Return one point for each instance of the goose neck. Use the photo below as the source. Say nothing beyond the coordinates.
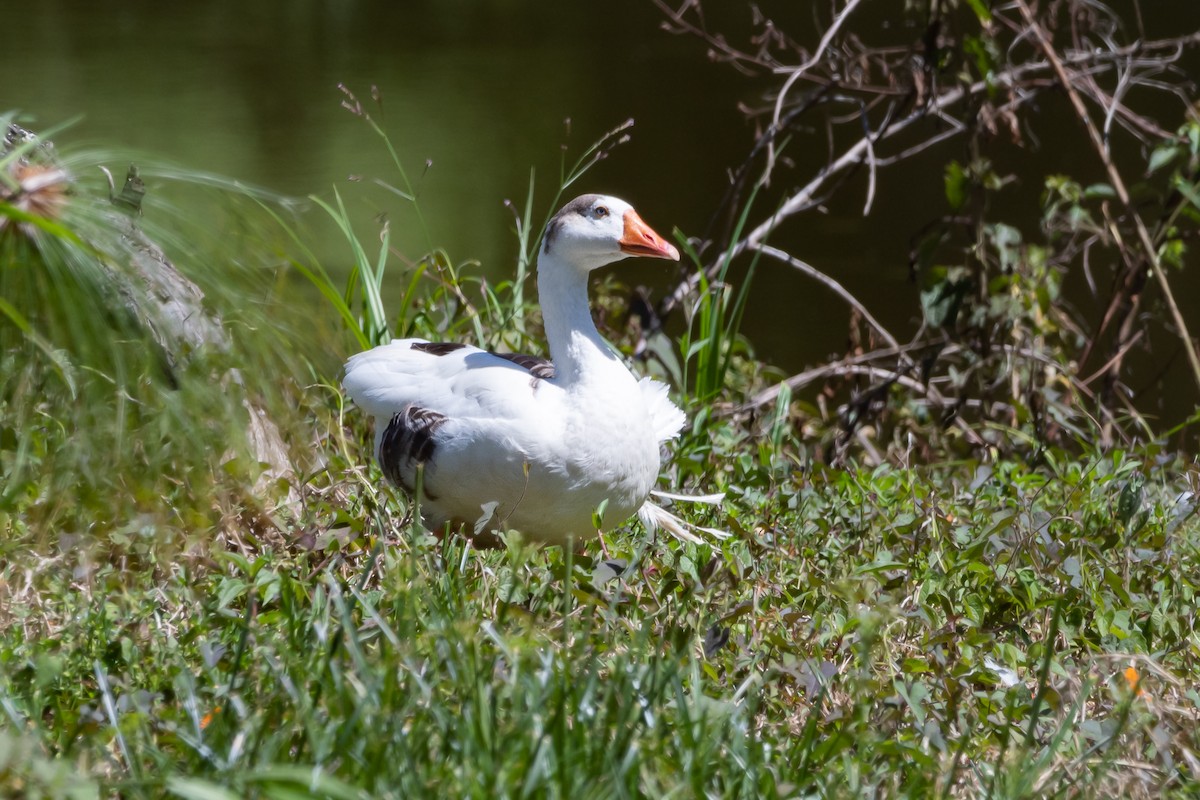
(576, 347)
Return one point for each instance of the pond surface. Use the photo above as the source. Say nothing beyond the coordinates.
(481, 90)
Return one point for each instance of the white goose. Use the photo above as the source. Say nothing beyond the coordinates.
(517, 442)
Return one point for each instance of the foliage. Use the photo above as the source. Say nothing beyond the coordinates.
(952, 630)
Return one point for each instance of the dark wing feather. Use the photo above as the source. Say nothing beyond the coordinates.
(408, 443)
(539, 368)
(438, 348)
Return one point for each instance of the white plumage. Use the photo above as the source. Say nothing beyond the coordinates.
(515, 442)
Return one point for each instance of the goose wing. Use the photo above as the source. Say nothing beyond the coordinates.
(474, 419)
(455, 380)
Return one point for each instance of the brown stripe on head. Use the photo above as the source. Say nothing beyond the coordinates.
(577, 206)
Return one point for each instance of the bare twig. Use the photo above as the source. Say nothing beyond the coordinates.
(1022, 75)
(834, 286)
(1116, 359)
(805, 197)
(797, 72)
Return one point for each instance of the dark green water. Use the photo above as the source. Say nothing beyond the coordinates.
(481, 90)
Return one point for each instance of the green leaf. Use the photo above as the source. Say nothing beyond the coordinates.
(196, 789)
(319, 783)
(1188, 190)
(883, 563)
(942, 300)
(1130, 500)
(956, 185)
(1101, 191)
(981, 11)
(1162, 156)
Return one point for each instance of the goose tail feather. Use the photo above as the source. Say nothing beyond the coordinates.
(654, 516)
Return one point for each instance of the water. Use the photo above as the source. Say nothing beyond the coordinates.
(482, 90)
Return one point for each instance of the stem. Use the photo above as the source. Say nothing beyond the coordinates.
(830, 283)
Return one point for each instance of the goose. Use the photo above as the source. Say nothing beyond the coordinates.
(501, 441)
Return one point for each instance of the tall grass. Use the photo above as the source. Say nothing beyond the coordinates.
(122, 391)
(435, 281)
(712, 339)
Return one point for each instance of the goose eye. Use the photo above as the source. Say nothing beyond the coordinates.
(601, 212)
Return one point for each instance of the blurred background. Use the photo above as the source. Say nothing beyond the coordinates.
(485, 92)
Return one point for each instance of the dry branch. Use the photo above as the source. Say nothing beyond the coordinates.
(1114, 176)
(915, 97)
(1017, 79)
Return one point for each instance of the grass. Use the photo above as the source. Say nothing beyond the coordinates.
(999, 627)
(958, 630)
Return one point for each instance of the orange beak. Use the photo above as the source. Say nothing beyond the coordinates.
(640, 240)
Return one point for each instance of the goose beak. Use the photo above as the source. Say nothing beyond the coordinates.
(639, 239)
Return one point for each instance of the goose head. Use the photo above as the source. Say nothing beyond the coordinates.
(595, 229)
